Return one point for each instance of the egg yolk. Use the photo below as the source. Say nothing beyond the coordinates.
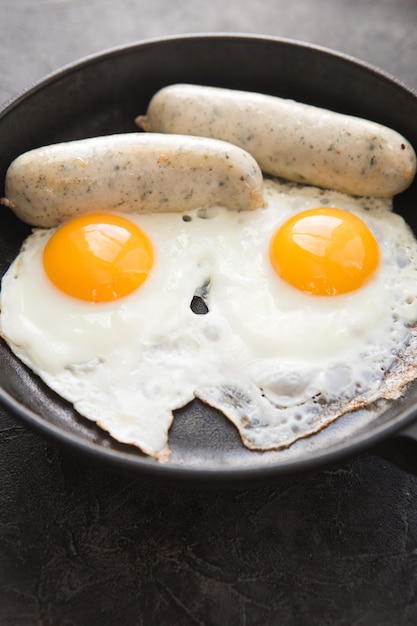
(324, 252)
(98, 257)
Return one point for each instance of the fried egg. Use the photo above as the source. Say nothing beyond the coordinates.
(311, 304)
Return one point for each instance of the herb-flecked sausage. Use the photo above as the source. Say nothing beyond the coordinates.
(130, 172)
(296, 141)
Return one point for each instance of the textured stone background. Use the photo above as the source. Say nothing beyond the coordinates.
(82, 546)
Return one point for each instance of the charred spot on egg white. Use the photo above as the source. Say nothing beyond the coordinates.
(198, 304)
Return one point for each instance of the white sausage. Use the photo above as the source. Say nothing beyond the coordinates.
(295, 141)
(130, 172)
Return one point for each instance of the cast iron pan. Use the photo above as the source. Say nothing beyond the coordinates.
(102, 95)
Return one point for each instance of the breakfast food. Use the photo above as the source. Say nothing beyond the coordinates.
(290, 139)
(280, 361)
(311, 298)
(130, 172)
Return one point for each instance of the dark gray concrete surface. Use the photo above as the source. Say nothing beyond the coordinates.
(82, 546)
(37, 37)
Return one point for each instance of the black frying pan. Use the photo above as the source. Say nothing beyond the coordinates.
(102, 95)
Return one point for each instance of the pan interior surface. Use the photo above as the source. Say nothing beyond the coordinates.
(103, 95)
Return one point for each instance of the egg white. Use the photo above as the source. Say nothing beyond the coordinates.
(280, 364)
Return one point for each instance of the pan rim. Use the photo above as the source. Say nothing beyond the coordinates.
(148, 467)
(121, 49)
